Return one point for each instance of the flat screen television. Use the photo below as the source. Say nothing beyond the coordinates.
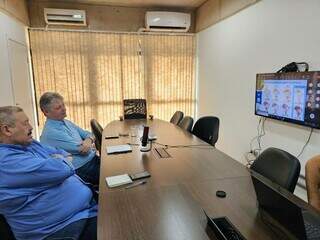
(291, 97)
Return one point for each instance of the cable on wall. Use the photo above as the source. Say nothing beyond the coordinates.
(255, 152)
(304, 146)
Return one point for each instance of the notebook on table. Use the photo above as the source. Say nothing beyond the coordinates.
(118, 180)
(119, 149)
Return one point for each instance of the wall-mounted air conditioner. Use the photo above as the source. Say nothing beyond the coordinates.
(167, 21)
(54, 16)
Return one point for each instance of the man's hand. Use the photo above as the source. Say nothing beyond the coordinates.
(60, 156)
(85, 147)
(69, 158)
(56, 155)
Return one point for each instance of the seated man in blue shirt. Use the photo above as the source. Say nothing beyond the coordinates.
(61, 133)
(41, 197)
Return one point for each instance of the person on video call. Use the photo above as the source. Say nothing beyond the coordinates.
(41, 197)
(61, 133)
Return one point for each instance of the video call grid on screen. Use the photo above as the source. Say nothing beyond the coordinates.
(292, 97)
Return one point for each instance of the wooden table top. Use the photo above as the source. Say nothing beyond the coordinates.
(169, 205)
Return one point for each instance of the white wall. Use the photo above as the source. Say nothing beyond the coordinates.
(12, 29)
(9, 28)
(261, 38)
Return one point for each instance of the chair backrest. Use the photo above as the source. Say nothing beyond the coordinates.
(279, 166)
(176, 117)
(135, 108)
(313, 181)
(207, 129)
(97, 132)
(5, 230)
(186, 123)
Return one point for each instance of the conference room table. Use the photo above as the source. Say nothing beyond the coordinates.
(183, 184)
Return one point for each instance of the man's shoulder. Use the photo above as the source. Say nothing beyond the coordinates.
(50, 127)
(68, 122)
(5, 150)
(13, 152)
(52, 123)
(73, 126)
(10, 147)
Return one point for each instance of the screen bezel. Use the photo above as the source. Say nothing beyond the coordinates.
(282, 119)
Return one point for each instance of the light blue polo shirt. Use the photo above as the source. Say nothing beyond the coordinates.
(68, 136)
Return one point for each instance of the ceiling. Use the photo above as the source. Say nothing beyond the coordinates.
(142, 3)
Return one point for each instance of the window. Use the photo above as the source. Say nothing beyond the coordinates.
(94, 72)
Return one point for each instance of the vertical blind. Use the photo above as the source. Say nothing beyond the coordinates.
(95, 71)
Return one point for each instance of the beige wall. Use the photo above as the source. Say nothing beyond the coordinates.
(121, 18)
(212, 11)
(16, 8)
(99, 17)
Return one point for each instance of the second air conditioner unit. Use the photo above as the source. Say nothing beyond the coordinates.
(167, 21)
(54, 16)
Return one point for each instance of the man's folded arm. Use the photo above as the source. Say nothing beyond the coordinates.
(29, 171)
(53, 150)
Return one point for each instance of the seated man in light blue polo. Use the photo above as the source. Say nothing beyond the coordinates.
(41, 197)
(61, 133)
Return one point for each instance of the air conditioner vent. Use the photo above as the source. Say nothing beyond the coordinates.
(166, 27)
(167, 21)
(54, 16)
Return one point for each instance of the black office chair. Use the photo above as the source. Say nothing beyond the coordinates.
(135, 108)
(186, 123)
(5, 230)
(177, 117)
(207, 129)
(279, 166)
(97, 132)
